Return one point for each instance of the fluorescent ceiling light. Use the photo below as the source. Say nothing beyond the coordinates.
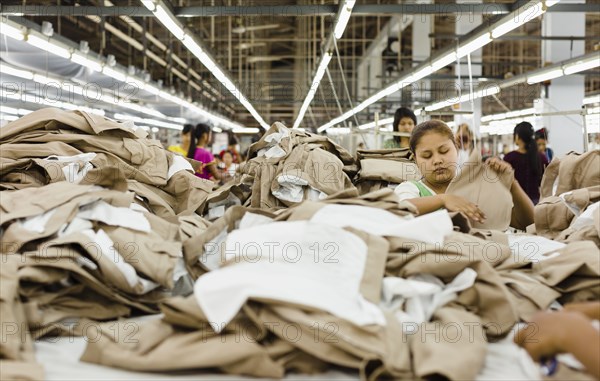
(140, 84)
(85, 61)
(49, 46)
(10, 118)
(15, 111)
(591, 63)
(529, 12)
(551, 74)
(151, 122)
(591, 100)
(442, 62)
(217, 129)
(381, 122)
(118, 75)
(11, 31)
(245, 130)
(5, 69)
(169, 21)
(342, 21)
(472, 46)
(313, 88)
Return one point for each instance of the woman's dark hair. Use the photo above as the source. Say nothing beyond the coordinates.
(402, 112)
(542, 133)
(433, 125)
(197, 133)
(524, 131)
(231, 139)
(187, 128)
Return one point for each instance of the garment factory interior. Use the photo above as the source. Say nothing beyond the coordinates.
(313, 190)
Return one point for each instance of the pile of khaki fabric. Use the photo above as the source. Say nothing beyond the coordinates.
(384, 168)
(284, 168)
(298, 270)
(93, 216)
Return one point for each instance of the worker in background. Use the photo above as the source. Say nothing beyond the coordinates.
(434, 148)
(464, 142)
(184, 147)
(199, 139)
(567, 331)
(233, 147)
(227, 167)
(527, 161)
(541, 138)
(404, 121)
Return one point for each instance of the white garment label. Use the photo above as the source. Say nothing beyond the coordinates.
(297, 262)
(429, 228)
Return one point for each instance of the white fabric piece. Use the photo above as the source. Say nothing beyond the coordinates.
(572, 207)
(179, 270)
(505, 360)
(211, 255)
(273, 152)
(138, 208)
(298, 262)
(115, 216)
(216, 212)
(422, 294)
(37, 223)
(533, 248)
(84, 157)
(179, 164)
(219, 211)
(77, 224)
(276, 137)
(107, 249)
(74, 174)
(587, 217)
(253, 219)
(292, 188)
(430, 228)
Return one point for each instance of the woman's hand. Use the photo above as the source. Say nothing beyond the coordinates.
(548, 333)
(458, 204)
(498, 165)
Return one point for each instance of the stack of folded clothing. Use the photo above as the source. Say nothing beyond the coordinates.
(384, 168)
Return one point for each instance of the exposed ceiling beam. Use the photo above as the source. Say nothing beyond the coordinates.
(282, 10)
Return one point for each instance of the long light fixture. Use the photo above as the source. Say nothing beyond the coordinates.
(313, 88)
(14, 30)
(510, 22)
(381, 122)
(341, 21)
(545, 76)
(83, 60)
(48, 45)
(28, 98)
(582, 65)
(169, 21)
(591, 100)
(245, 130)
(343, 18)
(152, 122)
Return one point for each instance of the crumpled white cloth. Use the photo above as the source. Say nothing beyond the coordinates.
(273, 150)
(429, 228)
(533, 248)
(587, 217)
(73, 172)
(292, 189)
(179, 164)
(415, 299)
(297, 262)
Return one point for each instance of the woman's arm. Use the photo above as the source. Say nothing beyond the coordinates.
(214, 171)
(522, 211)
(451, 202)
